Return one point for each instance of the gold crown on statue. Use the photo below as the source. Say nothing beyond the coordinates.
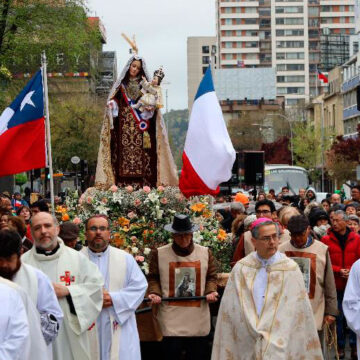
(160, 73)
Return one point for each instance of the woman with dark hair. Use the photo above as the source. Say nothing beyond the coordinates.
(325, 203)
(17, 223)
(25, 212)
(5, 215)
(133, 149)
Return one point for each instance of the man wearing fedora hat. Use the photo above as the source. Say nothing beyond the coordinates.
(183, 269)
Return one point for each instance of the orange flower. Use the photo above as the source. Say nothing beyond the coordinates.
(221, 235)
(118, 240)
(207, 214)
(123, 222)
(65, 217)
(198, 207)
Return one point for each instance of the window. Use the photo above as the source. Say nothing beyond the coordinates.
(205, 49)
(289, 9)
(290, 67)
(289, 21)
(289, 32)
(206, 59)
(290, 56)
(289, 44)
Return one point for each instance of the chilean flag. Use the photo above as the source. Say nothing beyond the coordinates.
(22, 130)
(208, 154)
(322, 77)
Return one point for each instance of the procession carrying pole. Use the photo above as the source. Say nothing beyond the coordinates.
(48, 132)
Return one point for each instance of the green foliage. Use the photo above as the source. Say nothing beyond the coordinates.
(20, 179)
(177, 123)
(75, 129)
(308, 148)
(29, 27)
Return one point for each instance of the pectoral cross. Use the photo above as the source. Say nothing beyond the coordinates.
(67, 278)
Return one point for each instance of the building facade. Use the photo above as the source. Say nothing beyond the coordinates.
(294, 37)
(200, 51)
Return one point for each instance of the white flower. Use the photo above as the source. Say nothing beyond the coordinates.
(197, 237)
(159, 214)
(134, 250)
(147, 251)
(102, 209)
(145, 267)
(153, 197)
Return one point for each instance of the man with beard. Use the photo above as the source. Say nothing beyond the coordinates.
(124, 290)
(77, 283)
(35, 283)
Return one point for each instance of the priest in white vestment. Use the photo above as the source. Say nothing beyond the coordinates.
(265, 312)
(34, 282)
(14, 326)
(351, 303)
(77, 283)
(35, 348)
(124, 290)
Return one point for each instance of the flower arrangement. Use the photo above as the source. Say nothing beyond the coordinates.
(138, 217)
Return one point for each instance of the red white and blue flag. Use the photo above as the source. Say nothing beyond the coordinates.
(22, 130)
(322, 77)
(208, 154)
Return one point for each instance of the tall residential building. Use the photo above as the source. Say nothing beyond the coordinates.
(286, 35)
(200, 50)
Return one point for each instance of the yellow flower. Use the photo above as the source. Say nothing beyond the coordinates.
(207, 214)
(198, 207)
(221, 235)
(118, 240)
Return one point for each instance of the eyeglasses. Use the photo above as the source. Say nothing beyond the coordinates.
(269, 238)
(263, 211)
(96, 228)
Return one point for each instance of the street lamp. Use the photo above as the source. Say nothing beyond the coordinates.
(291, 134)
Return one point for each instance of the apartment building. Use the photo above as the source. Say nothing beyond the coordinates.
(286, 35)
(200, 51)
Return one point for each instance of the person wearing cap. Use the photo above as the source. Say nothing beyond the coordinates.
(266, 209)
(17, 201)
(314, 261)
(264, 312)
(242, 198)
(183, 267)
(319, 223)
(69, 233)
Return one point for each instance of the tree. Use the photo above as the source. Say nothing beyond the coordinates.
(61, 28)
(75, 127)
(307, 147)
(277, 152)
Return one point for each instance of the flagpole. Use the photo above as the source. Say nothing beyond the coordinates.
(316, 81)
(48, 132)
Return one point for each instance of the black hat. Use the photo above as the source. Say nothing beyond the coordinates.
(181, 225)
(68, 231)
(317, 214)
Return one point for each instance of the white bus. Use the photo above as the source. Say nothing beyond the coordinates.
(277, 176)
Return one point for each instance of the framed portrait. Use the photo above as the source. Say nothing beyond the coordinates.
(307, 265)
(185, 281)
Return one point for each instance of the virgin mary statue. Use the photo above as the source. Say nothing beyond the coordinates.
(133, 151)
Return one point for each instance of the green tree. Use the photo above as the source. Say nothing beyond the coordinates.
(308, 147)
(75, 127)
(61, 28)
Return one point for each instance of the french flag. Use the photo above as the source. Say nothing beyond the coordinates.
(208, 154)
(22, 130)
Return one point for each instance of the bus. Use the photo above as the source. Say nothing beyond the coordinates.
(277, 176)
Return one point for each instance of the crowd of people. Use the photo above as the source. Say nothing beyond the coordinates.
(295, 279)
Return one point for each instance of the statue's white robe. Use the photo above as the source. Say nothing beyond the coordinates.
(14, 326)
(36, 348)
(351, 302)
(116, 326)
(285, 328)
(85, 289)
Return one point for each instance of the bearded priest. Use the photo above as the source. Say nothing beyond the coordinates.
(77, 283)
(265, 312)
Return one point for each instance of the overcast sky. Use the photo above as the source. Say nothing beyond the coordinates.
(161, 28)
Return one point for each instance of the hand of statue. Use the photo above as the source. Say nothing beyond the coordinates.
(155, 299)
(60, 290)
(329, 319)
(107, 300)
(212, 297)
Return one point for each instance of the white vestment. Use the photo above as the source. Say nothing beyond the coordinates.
(285, 328)
(14, 327)
(351, 302)
(84, 281)
(116, 326)
(35, 347)
(38, 286)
